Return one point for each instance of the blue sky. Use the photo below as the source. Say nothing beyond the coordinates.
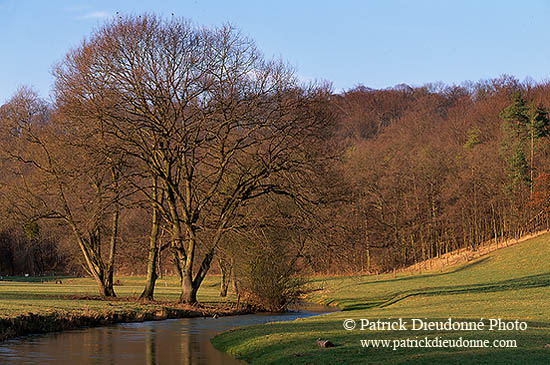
(377, 43)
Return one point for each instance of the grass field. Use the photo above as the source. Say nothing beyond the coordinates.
(38, 305)
(511, 283)
(21, 295)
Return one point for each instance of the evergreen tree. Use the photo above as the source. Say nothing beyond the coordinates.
(516, 119)
(523, 126)
(516, 115)
(537, 128)
(518, 169)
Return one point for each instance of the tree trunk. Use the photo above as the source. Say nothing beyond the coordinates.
(183, 259)
(190, 285)
(108, 290)
(224, 284)
(532, 167)
(103, 290)
(177, 265)
(188, 290)
(152, 275)
(104, 282)
(110, 271)
(96, 268)
(234, 283)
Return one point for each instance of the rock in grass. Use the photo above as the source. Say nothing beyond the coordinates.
(324, 343)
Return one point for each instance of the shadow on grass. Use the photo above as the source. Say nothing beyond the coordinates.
(532, 281)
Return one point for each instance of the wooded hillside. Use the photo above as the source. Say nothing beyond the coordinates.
(172, 148)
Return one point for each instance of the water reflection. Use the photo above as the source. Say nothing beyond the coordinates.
(177, 341)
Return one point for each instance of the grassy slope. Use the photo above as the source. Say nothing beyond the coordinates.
(22, 295)
(512, 283)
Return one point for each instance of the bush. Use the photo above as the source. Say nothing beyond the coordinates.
(268, 279)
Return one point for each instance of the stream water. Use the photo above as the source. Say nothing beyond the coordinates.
(173, 341)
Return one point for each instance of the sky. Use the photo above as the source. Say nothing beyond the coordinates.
(375, 43)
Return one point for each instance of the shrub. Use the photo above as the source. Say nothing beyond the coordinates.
(268, 278)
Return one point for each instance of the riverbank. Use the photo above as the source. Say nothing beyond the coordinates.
(29, 306)
(31, 323)
(509, 284)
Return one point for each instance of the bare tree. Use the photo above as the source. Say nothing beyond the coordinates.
(62, 171)
(202, 113)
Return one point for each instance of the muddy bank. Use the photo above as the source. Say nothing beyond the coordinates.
(31, 323)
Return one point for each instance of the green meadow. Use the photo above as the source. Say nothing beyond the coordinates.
(509, 284)
(40, 296)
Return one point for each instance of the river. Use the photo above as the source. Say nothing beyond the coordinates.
(173, 341)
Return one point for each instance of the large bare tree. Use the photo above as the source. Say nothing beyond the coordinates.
(202, 114)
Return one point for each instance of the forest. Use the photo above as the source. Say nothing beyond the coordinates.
(169, 149)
